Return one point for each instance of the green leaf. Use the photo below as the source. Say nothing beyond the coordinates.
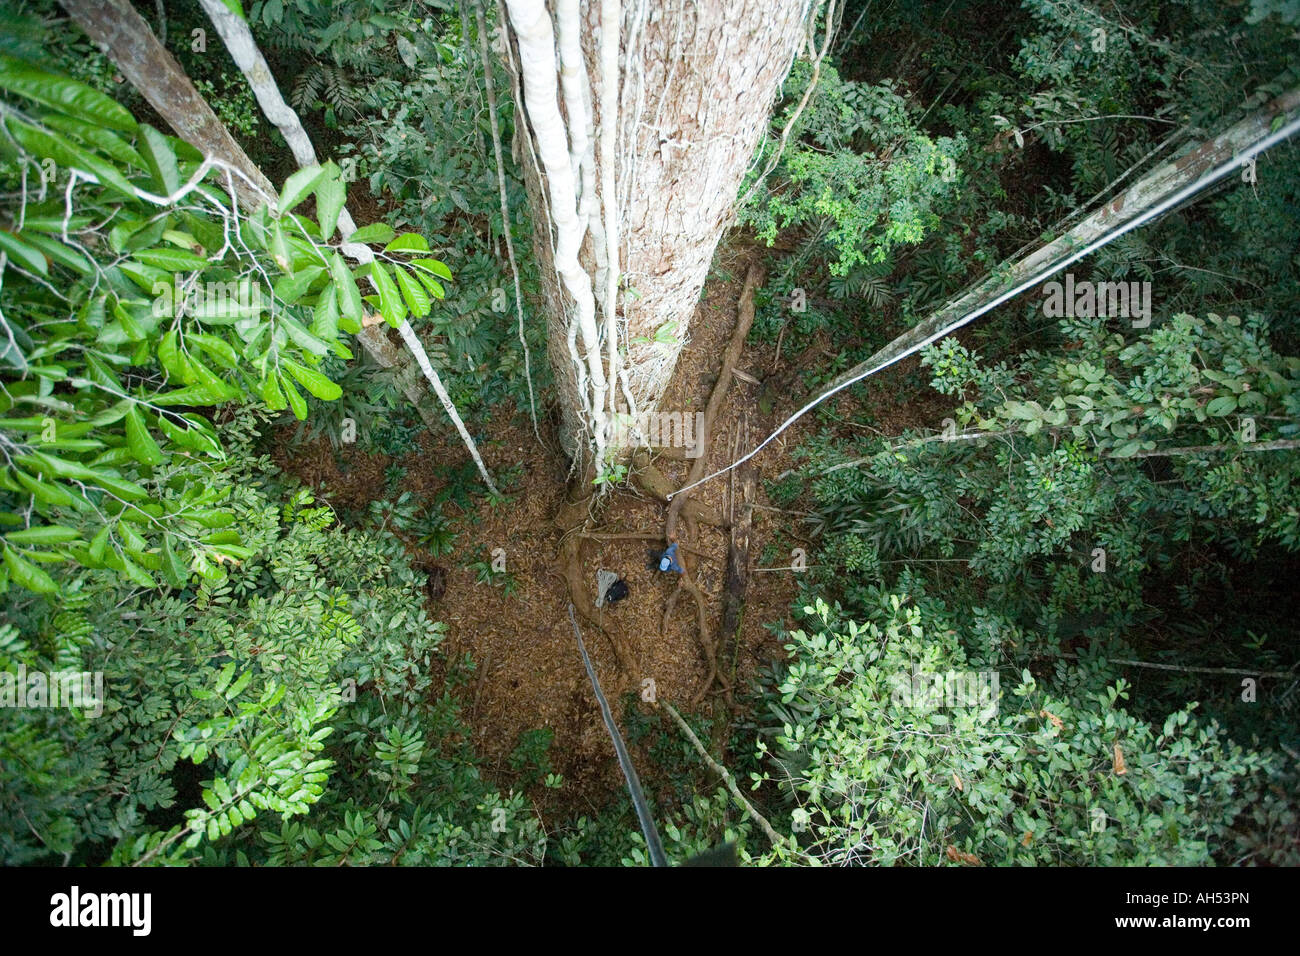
(296, 401)
(290, 288)
(408, 242)
(64, 94)
(270, 392)
(301, 337)
(106, 141)
(432, 265)
(375, 232)
(345, 286)
(313, 381)
(175, 573)
(217, 347)
(47, 144)
(390, 300)
(417, 300)
(27, 574)
(298, 186)
(1223, 405)
(325, 317)
(99, 544)
(331, 194)
(137, 574)
(159, 160)
(46, 492)
(172, 260)
(23, 254)
(56, 251)
(44, 534)
(143, 448)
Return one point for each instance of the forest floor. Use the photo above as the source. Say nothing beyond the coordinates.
(527, 672)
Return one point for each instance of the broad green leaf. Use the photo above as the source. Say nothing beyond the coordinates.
(313, 381)
(290, 288)
(47, 144)
(325, 318)
(173, 360)
(143, 448)
(44, 534)
(331, 194)
(298, 186)
(159, 160)
(172, 260)
(106, 141)
(417, 300)
(390, 300)
(432, 265)
(301, 337)
(349, 296)
(137, 574)
(64, 94)
(1223, 405)
(375, 232)
(190, 395)
(296, 401)
(27, 574)
(56, 251)
(408, 242)
(193, 438)
(271, 394)
(99, 544)
(174, 572)
(217, 347)
(21, 254)
(433, 285)
(46, 492)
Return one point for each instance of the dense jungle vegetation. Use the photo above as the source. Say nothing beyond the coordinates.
(1097, 517)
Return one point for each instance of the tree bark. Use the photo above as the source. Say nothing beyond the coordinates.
(126, 38)
(694, 86)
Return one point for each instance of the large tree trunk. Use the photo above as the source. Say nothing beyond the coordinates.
(660, 104)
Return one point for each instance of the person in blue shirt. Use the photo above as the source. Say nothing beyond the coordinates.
(668, 560)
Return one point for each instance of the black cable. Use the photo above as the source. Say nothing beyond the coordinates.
(656, 848)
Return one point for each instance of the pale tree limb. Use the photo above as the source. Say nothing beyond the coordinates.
(778, 842)
(417, 349)
(1183, 668)
(238, 38)
(1182, 451)
(490, 83)
(576, 91)
(1281, 444)
(118, 30)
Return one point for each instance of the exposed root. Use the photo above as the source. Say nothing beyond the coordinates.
(642, 536)
(682, 508)
(742, 525)
(650, 479)
(744, 319)
(572, 520)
